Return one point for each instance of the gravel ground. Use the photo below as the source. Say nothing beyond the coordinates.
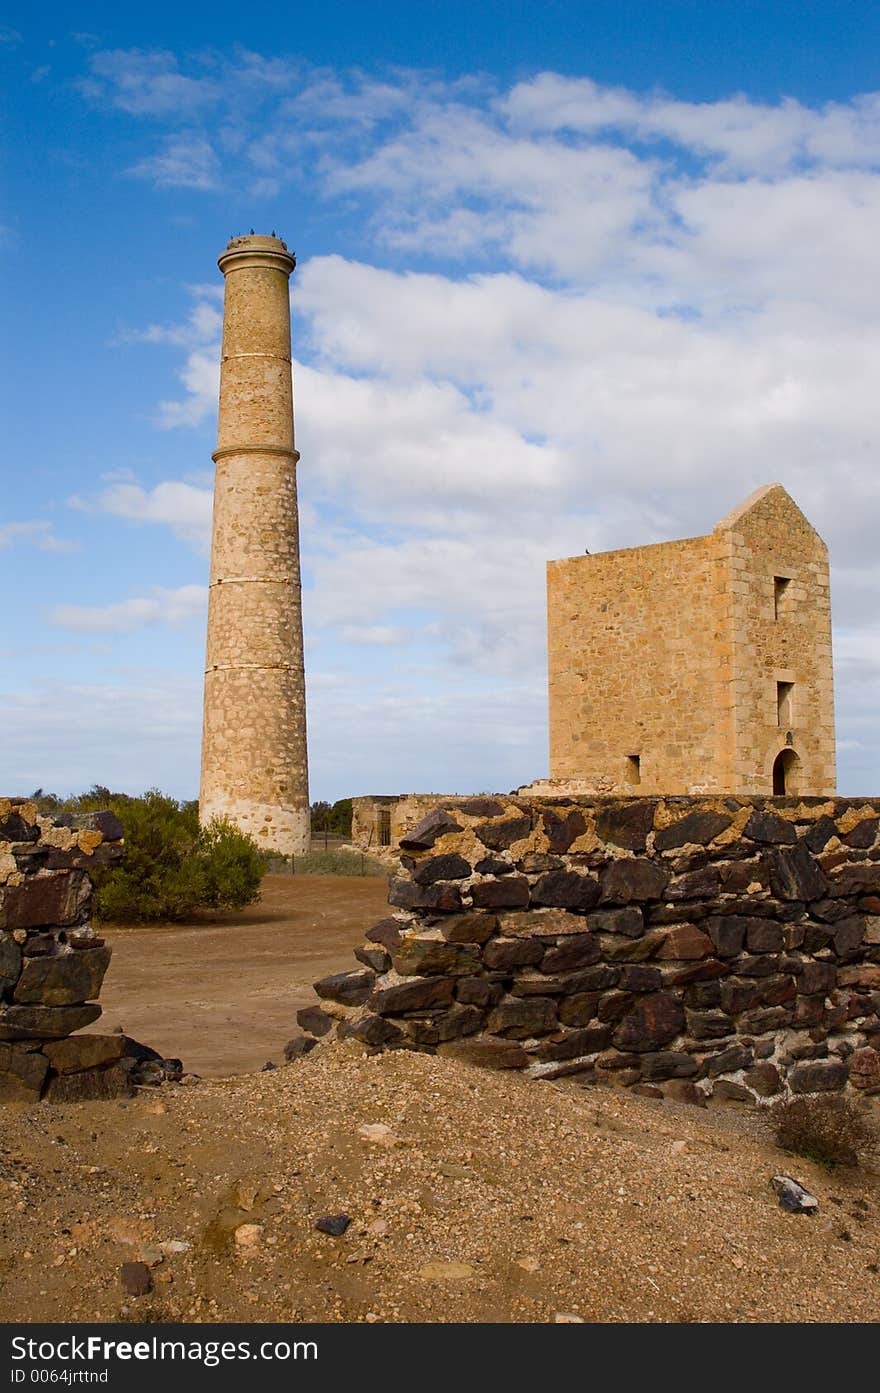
(472, 1197)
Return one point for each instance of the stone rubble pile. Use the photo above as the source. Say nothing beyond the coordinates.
(52, 963)
(682, 946)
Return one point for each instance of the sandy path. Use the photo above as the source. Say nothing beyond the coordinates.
(223, 995)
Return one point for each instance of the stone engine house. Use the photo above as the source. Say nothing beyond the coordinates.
(698, 666)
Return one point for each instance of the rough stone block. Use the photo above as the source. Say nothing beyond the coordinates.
(498, 836)
(510, 893)
(578, 1010)
(561, 829)
(574, 1043)
(654, 1020)
(422, 957)
(768, 828)
(422, 837)
(502, 953)
(543, 923)
(63, 979)
(818, 1076)
(22, 1073)
(566, 890)
(61, 898)
(80, 1052)
(522, 1017)
(314, 1020)
(26, 1022)
(697, 828)
(627, 825)
(794, 874)
(469, 928)
(668, 1064)
(630, 880)
(105, 1081)
(683, 942)
(486, 1052)
(442, 897)
(394, 996)
(577, 950)
(449, 867)
(348, 988)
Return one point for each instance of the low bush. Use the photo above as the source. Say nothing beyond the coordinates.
(337, 863)
(170, 868)
(834, 1131)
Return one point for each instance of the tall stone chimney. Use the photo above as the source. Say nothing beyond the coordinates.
(254, 760)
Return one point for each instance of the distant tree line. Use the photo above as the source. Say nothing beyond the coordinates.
(332, 818)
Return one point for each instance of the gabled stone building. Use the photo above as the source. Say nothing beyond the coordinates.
(695, 666)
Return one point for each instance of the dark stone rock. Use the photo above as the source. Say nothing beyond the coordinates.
(794, 874)
(761, 1020)
(683, 942)
(591, 979)
(460, 1020)
(37, 945)
(334, 1225)
(668, 1064)
(422, 837)
(728, 933)
(615, 1060)
(348, 988)
(422, 957)
(566, 890)
(614, 1005)
(542, 923)
(561, 830)
(629, 880)
(13, 828)
(370, 1030)
(136, 1279)
(99, 1084)
(499, 836)
(579, 1009)
(820, 834)
(501, 953)
(702, 884)
(864, 1069)
(477, 991)
(627, 825)
(737, 876)
(469, 928)
(375, 958)
(856, 878)
(576, 1042)
(486, 1052)
(440, 897)
(809, 1010)
(763, 1079)
(817, 977)
(654, 1020)
(762, 965)
(386, 932)
(10, 961)
(709, 1025)
(78, 1052)
(510, 893)
(417, 994)
(102, 821)
(300, 1046)
(725, 1090)
(494, 865)
(697, 828)
(22, 1072)
(777, 991)
(528, 983)
(577, 950)
(634, 977)
(848, 935)
(764, 936)
(818, 1076)
(701, 995)
(706, 970)
(816, 937)
(863, 835)
(60, 899)
(314, 1020)
(45, 1022)
(629, 922)
(728, 1061)
(519, 1018)
(449, 867)
(739, 996)
(768, 828)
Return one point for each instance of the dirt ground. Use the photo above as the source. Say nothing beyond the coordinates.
(471, 1195)
(222, 995)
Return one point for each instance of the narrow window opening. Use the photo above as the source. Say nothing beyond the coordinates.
(784, 704)
(633, 769)
(780, 595)
(384, 826)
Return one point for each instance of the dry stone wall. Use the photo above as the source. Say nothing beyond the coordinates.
(686, 946)
(52, 963)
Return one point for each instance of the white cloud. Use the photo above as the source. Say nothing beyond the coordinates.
(185, 508)
(185, 161)
(161, 606)
(38, 533)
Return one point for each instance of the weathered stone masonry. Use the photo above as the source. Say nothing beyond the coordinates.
(52, 963)
(683, 945)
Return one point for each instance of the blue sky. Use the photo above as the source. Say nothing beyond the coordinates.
(569, 275)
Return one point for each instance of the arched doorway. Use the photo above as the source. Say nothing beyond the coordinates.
(785, 773)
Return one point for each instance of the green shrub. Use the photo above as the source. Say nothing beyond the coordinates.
(834, 1131)
(170, 868)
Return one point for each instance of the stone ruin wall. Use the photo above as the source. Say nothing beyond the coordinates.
(52, 963)
(682, 946)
